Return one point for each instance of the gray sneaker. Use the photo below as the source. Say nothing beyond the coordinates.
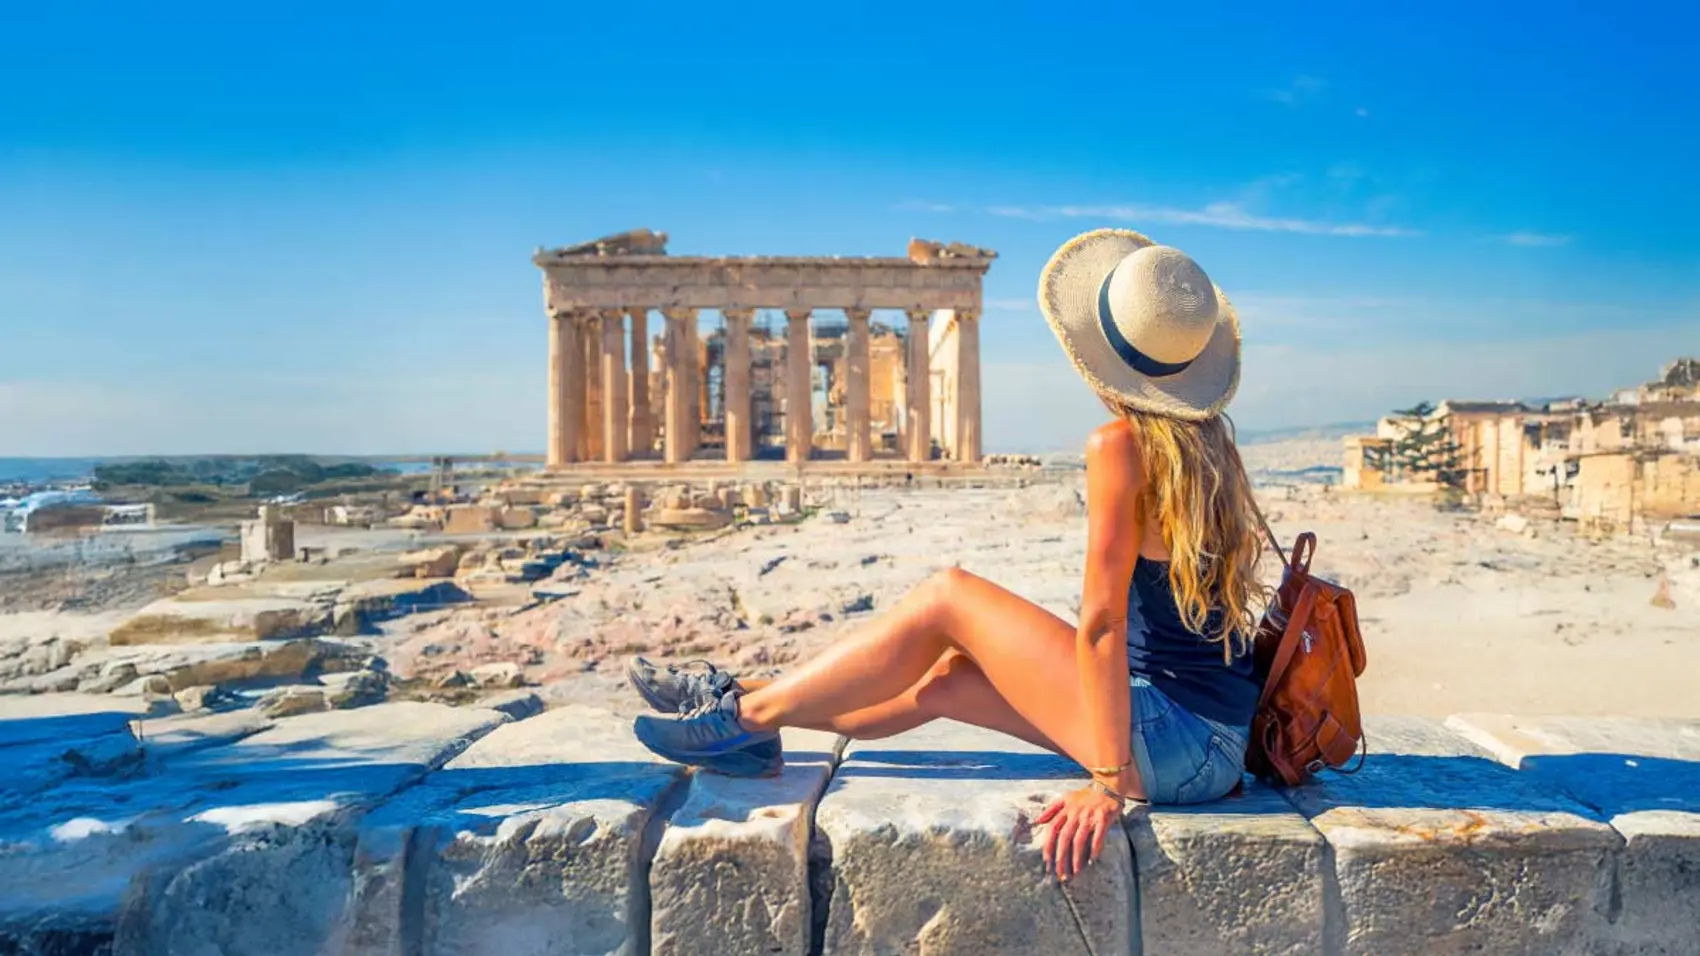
(675, 689)
(711, 738)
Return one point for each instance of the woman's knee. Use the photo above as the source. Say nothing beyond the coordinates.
(946, 589)
(949, 686)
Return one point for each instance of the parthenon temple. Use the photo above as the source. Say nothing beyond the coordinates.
(798, 366)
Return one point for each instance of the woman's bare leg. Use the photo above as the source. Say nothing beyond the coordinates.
(955, 688)
(1024, 654)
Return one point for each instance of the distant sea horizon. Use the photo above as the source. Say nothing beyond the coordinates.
(38, 471)
(43, 470)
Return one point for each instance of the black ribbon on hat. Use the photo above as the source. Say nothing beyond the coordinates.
(1132, 356)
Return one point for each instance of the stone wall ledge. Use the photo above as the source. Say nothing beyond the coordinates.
(418, 829)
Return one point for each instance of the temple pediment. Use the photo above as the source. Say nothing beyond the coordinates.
(637, 242)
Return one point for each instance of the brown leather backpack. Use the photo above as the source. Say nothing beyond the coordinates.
(1309, 653)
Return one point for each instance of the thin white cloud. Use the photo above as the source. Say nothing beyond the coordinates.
(1220, 215)
(1042, 405)
(919, 205)
(1361, 113)
(1300, 90)
(1009, 305)
(1534, 239)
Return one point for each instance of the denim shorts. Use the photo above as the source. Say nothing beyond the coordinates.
(1182, 757)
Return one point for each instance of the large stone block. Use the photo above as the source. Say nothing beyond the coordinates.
(171, 620)
(733, 864)
(1644, 776)
(167, 738)
(201, 664)
(252, 842)
(1242, 875)
(41, 718)
(929, 845)
(1439, 850)
(533, 842)
(361, 606)
(31, 768)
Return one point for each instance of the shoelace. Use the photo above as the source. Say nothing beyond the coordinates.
(703, 707)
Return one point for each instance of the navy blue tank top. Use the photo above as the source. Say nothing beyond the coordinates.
(1177, 661)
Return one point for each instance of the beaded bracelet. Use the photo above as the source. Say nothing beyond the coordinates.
(1108, 792)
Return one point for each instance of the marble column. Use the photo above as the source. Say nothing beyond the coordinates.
(681, 391)
(917, 399)
(641, 429)
(967, 401)
(684, 367)
(560, 449)
(590, 341)
(699, 383)
(799, 375)
(661, 363)
(738, 433)
(572, 396)
(614, 414)
(858, 445)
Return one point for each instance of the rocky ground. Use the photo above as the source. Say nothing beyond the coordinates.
(1461, 612)
(262, 760)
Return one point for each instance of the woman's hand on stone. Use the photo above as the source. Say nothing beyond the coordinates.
(1080, 820)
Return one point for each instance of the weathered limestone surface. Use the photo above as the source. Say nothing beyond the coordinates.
(182, 666)
(38, 718)
(49, 738)
(288, 800)
(531, 842)
(360, 606)
(1644, 776)
(239, 619)
(230, 848)
(1438, 849)
(931, 848)
(169, 737)
(1243, 875)
(733, 865)
(31, 768)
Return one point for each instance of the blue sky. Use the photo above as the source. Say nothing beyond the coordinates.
(229, 228)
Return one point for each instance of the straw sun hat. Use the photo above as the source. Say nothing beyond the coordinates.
(1142, 323)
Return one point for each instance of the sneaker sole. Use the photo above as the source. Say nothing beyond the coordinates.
(745, 767)
(731, 763)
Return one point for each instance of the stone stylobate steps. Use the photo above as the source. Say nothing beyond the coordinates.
(417, 829)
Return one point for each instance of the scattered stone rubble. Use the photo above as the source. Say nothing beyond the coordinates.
(1028, 462)
(596, 508)
(274, 631)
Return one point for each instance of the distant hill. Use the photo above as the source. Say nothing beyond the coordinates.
(183, 469)
(1333, 432)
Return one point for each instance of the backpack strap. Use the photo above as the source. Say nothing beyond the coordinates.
(1290, 639)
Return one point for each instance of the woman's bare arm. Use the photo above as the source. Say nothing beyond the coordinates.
(1114, 479)
(1081, 820)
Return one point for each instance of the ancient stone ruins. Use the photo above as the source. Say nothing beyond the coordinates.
(744, 391)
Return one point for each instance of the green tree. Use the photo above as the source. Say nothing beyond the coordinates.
(1426, 449)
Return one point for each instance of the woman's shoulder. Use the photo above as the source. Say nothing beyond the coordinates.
(1111, 450)
(1112, 443)
(1112, 437)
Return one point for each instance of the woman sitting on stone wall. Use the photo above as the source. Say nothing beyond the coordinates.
(1153, 691)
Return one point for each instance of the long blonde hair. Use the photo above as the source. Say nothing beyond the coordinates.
(1199, 494)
